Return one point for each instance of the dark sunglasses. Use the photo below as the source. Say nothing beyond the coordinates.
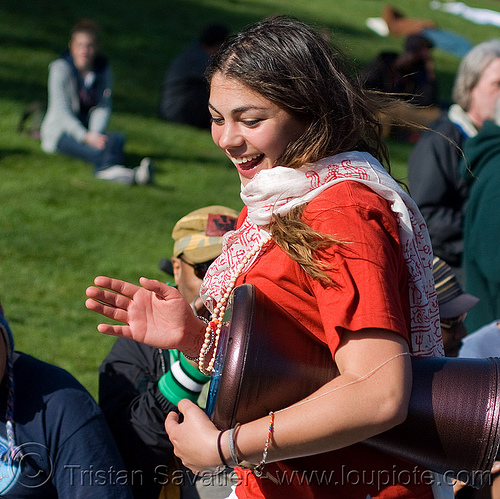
(200, 269)
(455, 321)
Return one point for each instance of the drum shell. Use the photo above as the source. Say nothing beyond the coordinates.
(452, 425)
(268, 360)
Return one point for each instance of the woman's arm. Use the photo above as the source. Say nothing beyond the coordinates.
(370, 396)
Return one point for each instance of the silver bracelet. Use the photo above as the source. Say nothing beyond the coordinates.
(207, 322)
(232, 446)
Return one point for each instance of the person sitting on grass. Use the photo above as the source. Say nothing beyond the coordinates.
(54, 440)
(184, 93)
(79, 108)
(139, 384)
(454, 305)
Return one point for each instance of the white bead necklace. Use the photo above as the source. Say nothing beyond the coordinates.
(219, 310)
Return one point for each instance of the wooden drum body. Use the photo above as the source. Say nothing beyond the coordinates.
(267, 361)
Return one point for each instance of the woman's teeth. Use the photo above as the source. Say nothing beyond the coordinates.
(241, 161)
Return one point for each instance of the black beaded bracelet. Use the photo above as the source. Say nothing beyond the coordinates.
(192, 359)
(219, 449)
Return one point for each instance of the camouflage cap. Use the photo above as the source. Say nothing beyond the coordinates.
(198, 235)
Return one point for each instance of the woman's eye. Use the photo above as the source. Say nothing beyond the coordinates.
(251, 123)
(217, 121)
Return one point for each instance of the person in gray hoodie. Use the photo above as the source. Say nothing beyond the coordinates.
(79, 108)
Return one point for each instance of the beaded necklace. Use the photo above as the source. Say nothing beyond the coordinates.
(213, 329)
(13, 453)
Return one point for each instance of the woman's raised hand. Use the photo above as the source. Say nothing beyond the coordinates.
(153, 313)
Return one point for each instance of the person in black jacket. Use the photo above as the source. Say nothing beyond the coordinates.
(410, 77)
(54, 440)
(139, 385)
(184, 93)
(410, 73)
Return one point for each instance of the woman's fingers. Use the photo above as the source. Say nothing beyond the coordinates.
(116, 285)
(156, 313)
(112, 312)
(185, 406)
(159, 288)
(116, 330)
(108, 298)
(172, 420)
(195, 439)
(189, 410)
(111, 298)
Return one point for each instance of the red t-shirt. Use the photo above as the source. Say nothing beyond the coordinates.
(372, 292)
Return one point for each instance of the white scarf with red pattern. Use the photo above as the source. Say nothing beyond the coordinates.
(278, 190)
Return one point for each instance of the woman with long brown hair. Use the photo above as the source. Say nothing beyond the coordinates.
(327, 234)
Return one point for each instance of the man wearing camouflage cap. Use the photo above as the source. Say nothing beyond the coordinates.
(197, 243)
(139, 385)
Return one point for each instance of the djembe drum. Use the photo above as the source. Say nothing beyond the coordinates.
(267, 360)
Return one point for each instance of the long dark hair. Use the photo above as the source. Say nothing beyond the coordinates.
(290, 64)
(293, 66)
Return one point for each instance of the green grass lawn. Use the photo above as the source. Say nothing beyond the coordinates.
(59, 227)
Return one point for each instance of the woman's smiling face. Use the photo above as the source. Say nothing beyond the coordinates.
(251, 130)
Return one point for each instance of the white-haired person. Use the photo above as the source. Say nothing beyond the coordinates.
(434, 176)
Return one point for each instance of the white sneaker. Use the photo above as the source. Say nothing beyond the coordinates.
(117, 173)
(144, 173)
(378, 25)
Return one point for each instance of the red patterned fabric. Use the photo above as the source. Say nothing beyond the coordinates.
(278, 190)
(373, 293)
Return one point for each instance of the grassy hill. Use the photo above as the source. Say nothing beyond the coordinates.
(59, 227)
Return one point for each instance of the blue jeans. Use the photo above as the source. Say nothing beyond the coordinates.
(102, 159)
